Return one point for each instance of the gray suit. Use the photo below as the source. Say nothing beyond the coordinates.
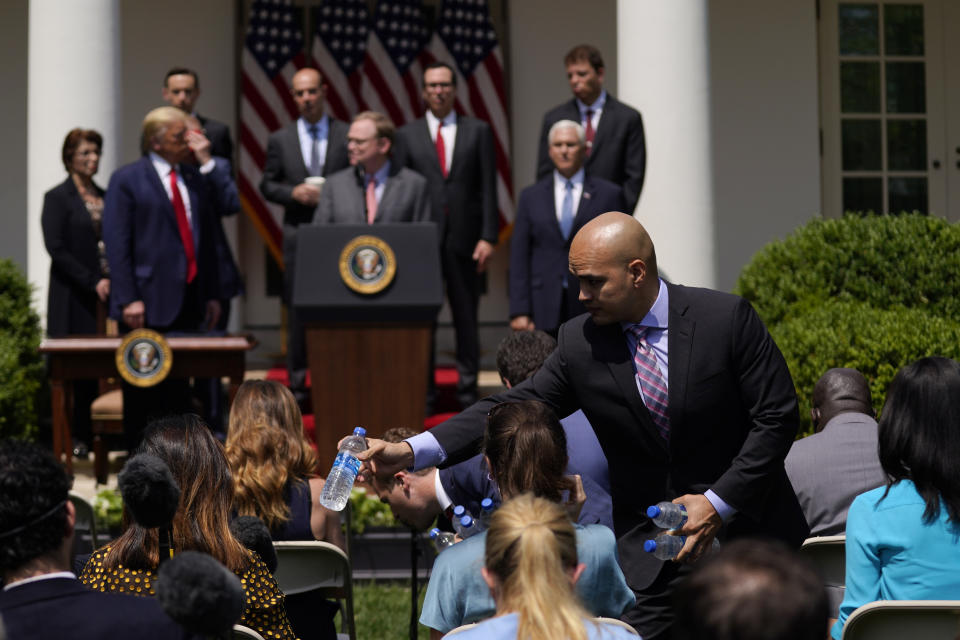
(829, 469)
(404, 199)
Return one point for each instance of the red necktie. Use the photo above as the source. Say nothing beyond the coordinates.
(441, 150)
(186, 235)
(652, 384)
(589, 133)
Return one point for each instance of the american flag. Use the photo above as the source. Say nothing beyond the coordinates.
(273, 51)
(339, 47)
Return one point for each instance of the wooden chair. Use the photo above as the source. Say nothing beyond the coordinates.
(106, 417)
(914, 619)
(318, 566)
(828, 556)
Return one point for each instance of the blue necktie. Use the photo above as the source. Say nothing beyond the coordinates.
(315, 168)
(566, 211)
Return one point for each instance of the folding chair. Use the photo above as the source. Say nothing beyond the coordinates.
(317, 566)
(86, 519)
(914, 619)
(828, 556)
(616, 623)
(241, 632)
(462, 627)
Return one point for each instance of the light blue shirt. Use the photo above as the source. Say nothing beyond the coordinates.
(597, 108)
(560, 192)
(306, 140)
(505, 628)
(381, 177)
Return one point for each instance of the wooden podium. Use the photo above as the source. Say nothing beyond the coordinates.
(368, 351)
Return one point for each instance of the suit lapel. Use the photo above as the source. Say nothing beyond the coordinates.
(460, 145)
(383, 209)
(679, 346)
(160, 193)
(606, 116)
(295, 157)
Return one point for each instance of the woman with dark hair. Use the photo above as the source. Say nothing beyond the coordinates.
(202, 523)
(79, 276)
(531, 566)
(526, 451)
(274, 466)
(903, 540)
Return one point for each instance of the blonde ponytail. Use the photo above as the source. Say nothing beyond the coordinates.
(531, 547)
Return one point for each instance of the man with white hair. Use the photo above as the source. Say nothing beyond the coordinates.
(543, 292)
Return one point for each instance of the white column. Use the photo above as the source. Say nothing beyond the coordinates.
(663, 67)
(73, 81)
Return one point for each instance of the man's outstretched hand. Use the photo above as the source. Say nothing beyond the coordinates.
(383, 459)
(703, 523)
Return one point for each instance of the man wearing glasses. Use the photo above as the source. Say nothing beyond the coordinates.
(374, 189)
(455, 154)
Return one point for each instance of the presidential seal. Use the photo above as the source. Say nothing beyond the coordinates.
(144, 358)
(367, 265)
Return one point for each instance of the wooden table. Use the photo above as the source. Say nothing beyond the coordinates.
(95, 357)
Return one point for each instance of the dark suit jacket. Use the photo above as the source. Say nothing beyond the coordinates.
(71, 241)
(404, 198)
(464, 204)
(219, 136)
(538, 250)
(733, 416)
(144, 249)
(228, 275)
(284, 168)
(59, 608)
(619, 152)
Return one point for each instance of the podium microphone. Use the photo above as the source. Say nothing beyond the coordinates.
(152, 496)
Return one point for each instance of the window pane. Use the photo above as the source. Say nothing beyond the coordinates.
(860, 87)
(859, 29)
(863, 194)
(907, 145)
(906, 87)
(903, 29)
(860, 140)
(908, 194)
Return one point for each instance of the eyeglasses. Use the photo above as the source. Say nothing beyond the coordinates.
(360, 141)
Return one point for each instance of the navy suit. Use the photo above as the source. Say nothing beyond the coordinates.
(538, 251)
(57, 608)
(619, 151)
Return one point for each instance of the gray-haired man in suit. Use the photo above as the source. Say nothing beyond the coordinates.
(374, 190)
(839, 461)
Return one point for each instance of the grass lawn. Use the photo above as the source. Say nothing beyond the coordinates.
(382, 610)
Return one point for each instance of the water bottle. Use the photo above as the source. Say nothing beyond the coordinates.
(666, 546)
(441, 539)
(468, 527)
(667, 515)
(336, 492)
(486, 512)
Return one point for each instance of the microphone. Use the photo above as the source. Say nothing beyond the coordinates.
(254, 535)
(152, 496)
(200, 594)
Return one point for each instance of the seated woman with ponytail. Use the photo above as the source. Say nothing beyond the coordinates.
(531, 568)
(526, 451)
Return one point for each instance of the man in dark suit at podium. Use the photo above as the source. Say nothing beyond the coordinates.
(181, 89)
(456, 155)
(543, 292)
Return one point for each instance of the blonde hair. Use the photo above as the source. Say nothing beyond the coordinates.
(156, 122)
(531, 547)
(266, 450)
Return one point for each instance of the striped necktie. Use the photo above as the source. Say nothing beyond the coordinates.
(652, 384)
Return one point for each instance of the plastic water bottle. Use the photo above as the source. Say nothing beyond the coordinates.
(486, 512)
(667, 515)
(441, 539)
(458, 512)
(468, 527)
(336, 491)
(666, 546)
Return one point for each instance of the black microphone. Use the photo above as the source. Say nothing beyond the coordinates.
(254, 535)
(152, 496)
(200, 594)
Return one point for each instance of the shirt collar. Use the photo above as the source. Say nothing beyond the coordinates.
(162, 166)
(322, 125)
(442, 496)
(45, 576)
(381, 175)
(450, 118)
(576, 179)
(596, 106)
(658, 315)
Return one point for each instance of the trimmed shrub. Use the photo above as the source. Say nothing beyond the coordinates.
(21, 368)
(876, 342)
(883, 261)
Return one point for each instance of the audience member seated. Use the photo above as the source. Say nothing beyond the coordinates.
(41, 599)
(531, 566)
(525, 449)
(196, 461)
(751, 590)
(839, 461)
(903, 539)
(273, 469)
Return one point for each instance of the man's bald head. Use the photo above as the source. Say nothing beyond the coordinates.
(307, 90)
(614, 259)
(840, 390)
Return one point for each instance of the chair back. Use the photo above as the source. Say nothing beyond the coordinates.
(914, 619)
(317, 566)
(241, 632)
(86, 519)
(462, 627)
(615, 623)
(828, 556)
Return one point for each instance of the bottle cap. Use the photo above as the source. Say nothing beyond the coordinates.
(653, 512)
(466, 521)
(359, 431)
(434, 532)
(486, 504)
(650, 546)
(459, 511)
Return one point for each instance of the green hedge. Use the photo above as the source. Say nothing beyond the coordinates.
(876, 342)
(21, 369)
(884, 261)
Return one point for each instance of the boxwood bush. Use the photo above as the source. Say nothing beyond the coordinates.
(21, 368)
